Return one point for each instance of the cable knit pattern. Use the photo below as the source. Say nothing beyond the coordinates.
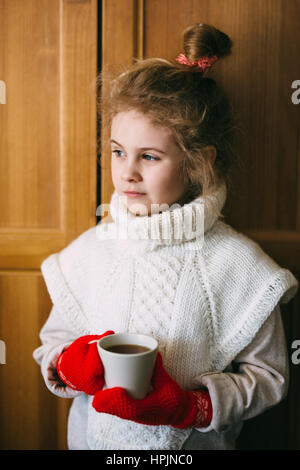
(155, 284)
(203, 296)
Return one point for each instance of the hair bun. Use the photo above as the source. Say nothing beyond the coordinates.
(201, 40)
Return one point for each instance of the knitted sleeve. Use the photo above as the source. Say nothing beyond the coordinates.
(55, 337)
(259, 381)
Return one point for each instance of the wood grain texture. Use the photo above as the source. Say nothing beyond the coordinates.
(29, 66)
(119, 47)
(48, 189)
(140, 29)
(28, 411)
(48, 127)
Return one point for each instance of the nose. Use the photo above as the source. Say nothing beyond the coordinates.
(130, 171)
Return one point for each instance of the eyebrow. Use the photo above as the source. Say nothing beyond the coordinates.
(142, 148)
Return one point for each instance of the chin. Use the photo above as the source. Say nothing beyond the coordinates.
(138, 209)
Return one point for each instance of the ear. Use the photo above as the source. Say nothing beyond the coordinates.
(210, 152)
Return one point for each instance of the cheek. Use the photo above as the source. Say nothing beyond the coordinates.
(169, 178)
(160, 182)
(114, 171)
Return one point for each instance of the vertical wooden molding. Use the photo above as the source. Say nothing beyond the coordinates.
(62, 191)
(139, 29)
(122, 40)
(78, 51)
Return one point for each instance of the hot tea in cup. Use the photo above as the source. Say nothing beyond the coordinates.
(128, 360)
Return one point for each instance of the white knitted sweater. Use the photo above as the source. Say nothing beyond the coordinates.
(203, 298)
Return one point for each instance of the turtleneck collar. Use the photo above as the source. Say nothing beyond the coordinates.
(174, 225)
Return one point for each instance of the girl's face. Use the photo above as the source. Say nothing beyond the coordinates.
(145, 159)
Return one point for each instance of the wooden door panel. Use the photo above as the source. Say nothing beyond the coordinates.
(48, 191)
(28, 412)
(48, 137)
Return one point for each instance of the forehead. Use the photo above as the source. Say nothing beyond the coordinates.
(132, 126)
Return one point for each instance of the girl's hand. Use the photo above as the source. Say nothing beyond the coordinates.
(80, 366)
(167, 404)
(57, 379)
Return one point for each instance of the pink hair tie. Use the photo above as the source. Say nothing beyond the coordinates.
(203, 63)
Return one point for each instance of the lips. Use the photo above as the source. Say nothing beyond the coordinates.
(132, 193)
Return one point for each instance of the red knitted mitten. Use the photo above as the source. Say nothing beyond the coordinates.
(80, 366)
(167, 404)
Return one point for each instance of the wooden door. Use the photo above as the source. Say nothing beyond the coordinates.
(265, 200)
(48, 191)
(48, 62)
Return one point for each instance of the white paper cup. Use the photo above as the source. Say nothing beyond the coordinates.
(130, 371)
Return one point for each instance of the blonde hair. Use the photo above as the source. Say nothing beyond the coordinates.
(181, 98)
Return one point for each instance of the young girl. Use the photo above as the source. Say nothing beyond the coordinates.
(168, 266)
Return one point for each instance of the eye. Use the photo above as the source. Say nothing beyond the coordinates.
(147, 155)
(117, 152)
